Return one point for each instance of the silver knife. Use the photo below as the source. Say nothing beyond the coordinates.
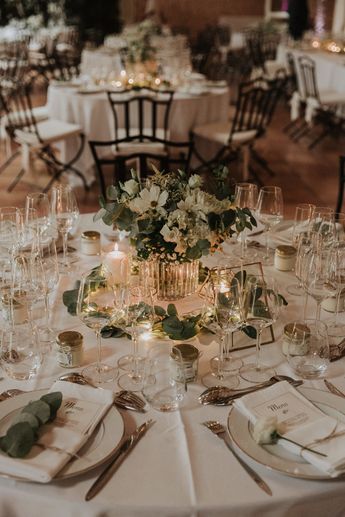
(120, 455)
(333, 389)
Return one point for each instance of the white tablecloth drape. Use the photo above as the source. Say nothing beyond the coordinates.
(179, 468)
(93, 113)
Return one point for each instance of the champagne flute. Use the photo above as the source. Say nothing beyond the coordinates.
(40, 202)
(64, 214)
(318, 276)
(45, 267)
(303, 243)
(303, 215)
(95, 308)
(227, 299)
(269, 211)
(261, 306)
(138, 319)
(246, 196)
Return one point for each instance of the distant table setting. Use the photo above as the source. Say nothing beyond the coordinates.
(121, 371)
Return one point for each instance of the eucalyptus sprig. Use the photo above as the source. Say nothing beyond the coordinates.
(24, 429)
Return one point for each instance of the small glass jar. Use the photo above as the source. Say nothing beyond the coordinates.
(185, 359)
(331, 304)
(69, 349)
(285, 258)
(90, 243)
(295, 339)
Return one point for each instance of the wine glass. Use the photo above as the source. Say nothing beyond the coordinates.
(10, 230)
(338, 269)
(46, 269)
(227, 299)
(95, 308)
(319, 281)
(261, 307)
(323, 223)
(138, 319)
(40, 202)
(303, 244)
(303, 214)
(64, 214)
(269, 211)
(246, 196)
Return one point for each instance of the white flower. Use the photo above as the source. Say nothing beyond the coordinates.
(265, 430)
(131, 187)
(195, 181)
(152, 199)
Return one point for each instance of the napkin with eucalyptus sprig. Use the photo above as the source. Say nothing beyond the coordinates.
(82, 408)
(305, 429)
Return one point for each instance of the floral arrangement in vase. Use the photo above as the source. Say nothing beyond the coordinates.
(138, 41)
(172, 217)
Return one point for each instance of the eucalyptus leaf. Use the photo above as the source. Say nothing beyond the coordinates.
(54, 399)
(39, 409)
(171, 310)
(18, 440)
(250, 331)
(27, 417)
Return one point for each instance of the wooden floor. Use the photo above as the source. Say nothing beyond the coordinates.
(305, 176)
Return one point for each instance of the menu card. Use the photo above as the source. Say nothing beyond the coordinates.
(83, 407)
(301, 421)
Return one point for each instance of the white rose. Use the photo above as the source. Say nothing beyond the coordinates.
(265, 429)
(131, 187)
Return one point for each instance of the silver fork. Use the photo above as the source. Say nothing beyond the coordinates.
(219, 430)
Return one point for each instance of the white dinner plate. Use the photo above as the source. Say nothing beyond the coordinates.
(97, 449)
(276, 457)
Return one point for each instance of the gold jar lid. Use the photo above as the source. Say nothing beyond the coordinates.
(91, 235)
(296, 331)
(285, 251)
(185, 351)
(69, 338)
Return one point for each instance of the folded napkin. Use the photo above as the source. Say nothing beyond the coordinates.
(302, 422)
(82, 408)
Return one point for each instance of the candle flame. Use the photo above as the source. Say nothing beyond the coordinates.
(116, 247)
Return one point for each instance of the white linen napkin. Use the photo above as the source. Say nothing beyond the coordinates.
(304, 423)
(82, 409)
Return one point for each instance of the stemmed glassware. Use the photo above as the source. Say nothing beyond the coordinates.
(338, 267)
(303, 215)
(40, 202)
(269, 211)
(95, 308)
(227, 300)
(65, 212)
(45, 266)
(303, 244)
(246, 196)
(322, 222)
(138, 319)
(261, 307)
(319, 281)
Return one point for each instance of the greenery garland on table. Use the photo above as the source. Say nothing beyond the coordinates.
(168, 322)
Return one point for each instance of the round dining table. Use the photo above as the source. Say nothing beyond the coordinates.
(90, 109)
(179, 468)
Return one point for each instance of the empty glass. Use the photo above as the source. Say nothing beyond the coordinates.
(308, 349)
(303, 215)
(65, 212)
(20, 355)
(269, 211)
(40, 202)
(160, 387)
(246, 196)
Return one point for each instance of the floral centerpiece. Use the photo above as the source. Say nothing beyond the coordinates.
(140, 52)
(172, 220)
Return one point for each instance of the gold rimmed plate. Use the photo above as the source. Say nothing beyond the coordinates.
(97, 450)
(276, 457)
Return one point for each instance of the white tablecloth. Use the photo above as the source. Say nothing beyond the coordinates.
(93, 113)
(179, 468)
(330, 68)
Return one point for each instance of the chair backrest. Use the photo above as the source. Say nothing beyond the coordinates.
(140, 113)
(178, 154)
(308, 77)
(256, 103)
(19, 116)
(262, 47)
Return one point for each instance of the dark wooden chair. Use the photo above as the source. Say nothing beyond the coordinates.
(175, 155)
(341, 184)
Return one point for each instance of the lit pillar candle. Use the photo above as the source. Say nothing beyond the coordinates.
(118, 264)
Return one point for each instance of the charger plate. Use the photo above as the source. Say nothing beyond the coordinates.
(96, 450)
(276, 457)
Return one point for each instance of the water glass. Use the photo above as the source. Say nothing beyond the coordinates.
(308, 349)
(20, 354)
(161, 389)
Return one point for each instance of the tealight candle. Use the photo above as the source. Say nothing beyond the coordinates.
(118, 264)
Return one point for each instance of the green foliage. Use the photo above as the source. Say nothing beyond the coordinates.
(24, 429)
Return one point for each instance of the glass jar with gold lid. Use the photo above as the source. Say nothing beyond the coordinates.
(285, 258)
(90, 243)
(69, 348)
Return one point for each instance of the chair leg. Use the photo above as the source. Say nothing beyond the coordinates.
(9, 160)
(341, 183)
(261, 161)
(245, 164)
(318, 139)
(16, 180)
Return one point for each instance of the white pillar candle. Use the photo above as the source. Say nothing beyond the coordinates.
(118, 264)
